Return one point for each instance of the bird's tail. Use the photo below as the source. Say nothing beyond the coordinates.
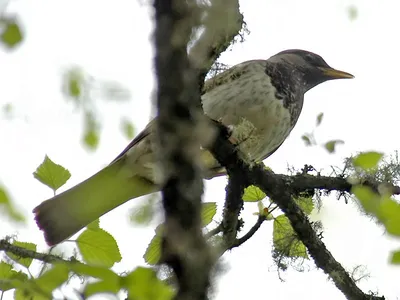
(65, 214)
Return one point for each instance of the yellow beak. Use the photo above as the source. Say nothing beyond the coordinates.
(335, 74)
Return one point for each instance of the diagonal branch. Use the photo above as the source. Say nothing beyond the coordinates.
(280, 189)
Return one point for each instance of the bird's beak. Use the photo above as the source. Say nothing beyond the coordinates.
(335, 74)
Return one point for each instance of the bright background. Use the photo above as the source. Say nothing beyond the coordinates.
(112, 40)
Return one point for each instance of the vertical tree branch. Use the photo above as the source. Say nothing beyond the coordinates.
(184, 247)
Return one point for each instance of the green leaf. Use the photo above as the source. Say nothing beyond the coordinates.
(208, 211)
(52, 278)
(8, 207)
(128, 129)
(94, 225)
(101, 287)
(143, 284)
(352, 12)
(6, 274)
(144, 214)
(319, 118)
(368, 199)
(253, 194)
(98, 247)
(26, 262)
(153, 252)
(91, 136)
(306, 204)
(331, 145)
(103, 273)
(306, 140)
(389, 215)
(367, 160)
(51, 174)
(11, 35)
(395, 257)
(285, 239)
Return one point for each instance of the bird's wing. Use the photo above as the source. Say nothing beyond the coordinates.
(143, 134)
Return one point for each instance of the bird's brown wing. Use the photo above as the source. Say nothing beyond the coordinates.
(143, 134)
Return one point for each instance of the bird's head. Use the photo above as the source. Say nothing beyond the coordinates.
(310, 68)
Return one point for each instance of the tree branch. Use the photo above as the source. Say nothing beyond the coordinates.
(279, 188)
(6, 246)
(250, 233)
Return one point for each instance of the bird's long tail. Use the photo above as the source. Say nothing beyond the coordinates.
(67, 213)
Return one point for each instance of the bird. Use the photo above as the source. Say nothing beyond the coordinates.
(268, 94)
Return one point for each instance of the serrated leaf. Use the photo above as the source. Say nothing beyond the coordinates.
(11, 35)
(395, 257)
(128, 129)
(208, 211)
(331, 145)
(253, 194)
(319, 118)
(143, 284)
(26, 262)
(94, 225)
(367, 160)
(52, 278)
(285, 239)
(153, 252)
(9, 278)
(306, 204)
(98, 247)
(51, 174)
(7, 206)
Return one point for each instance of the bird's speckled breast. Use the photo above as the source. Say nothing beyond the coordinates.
(250, 95)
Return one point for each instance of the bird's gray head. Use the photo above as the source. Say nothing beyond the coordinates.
(307, 68)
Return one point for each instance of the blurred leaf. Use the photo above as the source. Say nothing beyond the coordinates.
(11, 35)
(143, 284)
(253, 194)
(103, 273)
(128, 129)
(114, 91)
(98, 247)
(7, 110)
(9, 209)
(367, 160)
(144, 214)
(285, 239)
(395, 259)
(51, 174)
(91, 132)
(352, 12)
(208, 211)
(367, 197)
(153, 252)
(319, 118)
(331, 145)
(26, 262)
(103, 286)
(52, 278)
(306, 139)
(6, 273)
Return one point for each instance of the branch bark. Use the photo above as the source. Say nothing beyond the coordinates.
(281, 188)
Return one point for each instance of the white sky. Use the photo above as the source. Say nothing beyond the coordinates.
(111, 40)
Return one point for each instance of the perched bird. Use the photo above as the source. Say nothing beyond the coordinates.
(267, 93)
